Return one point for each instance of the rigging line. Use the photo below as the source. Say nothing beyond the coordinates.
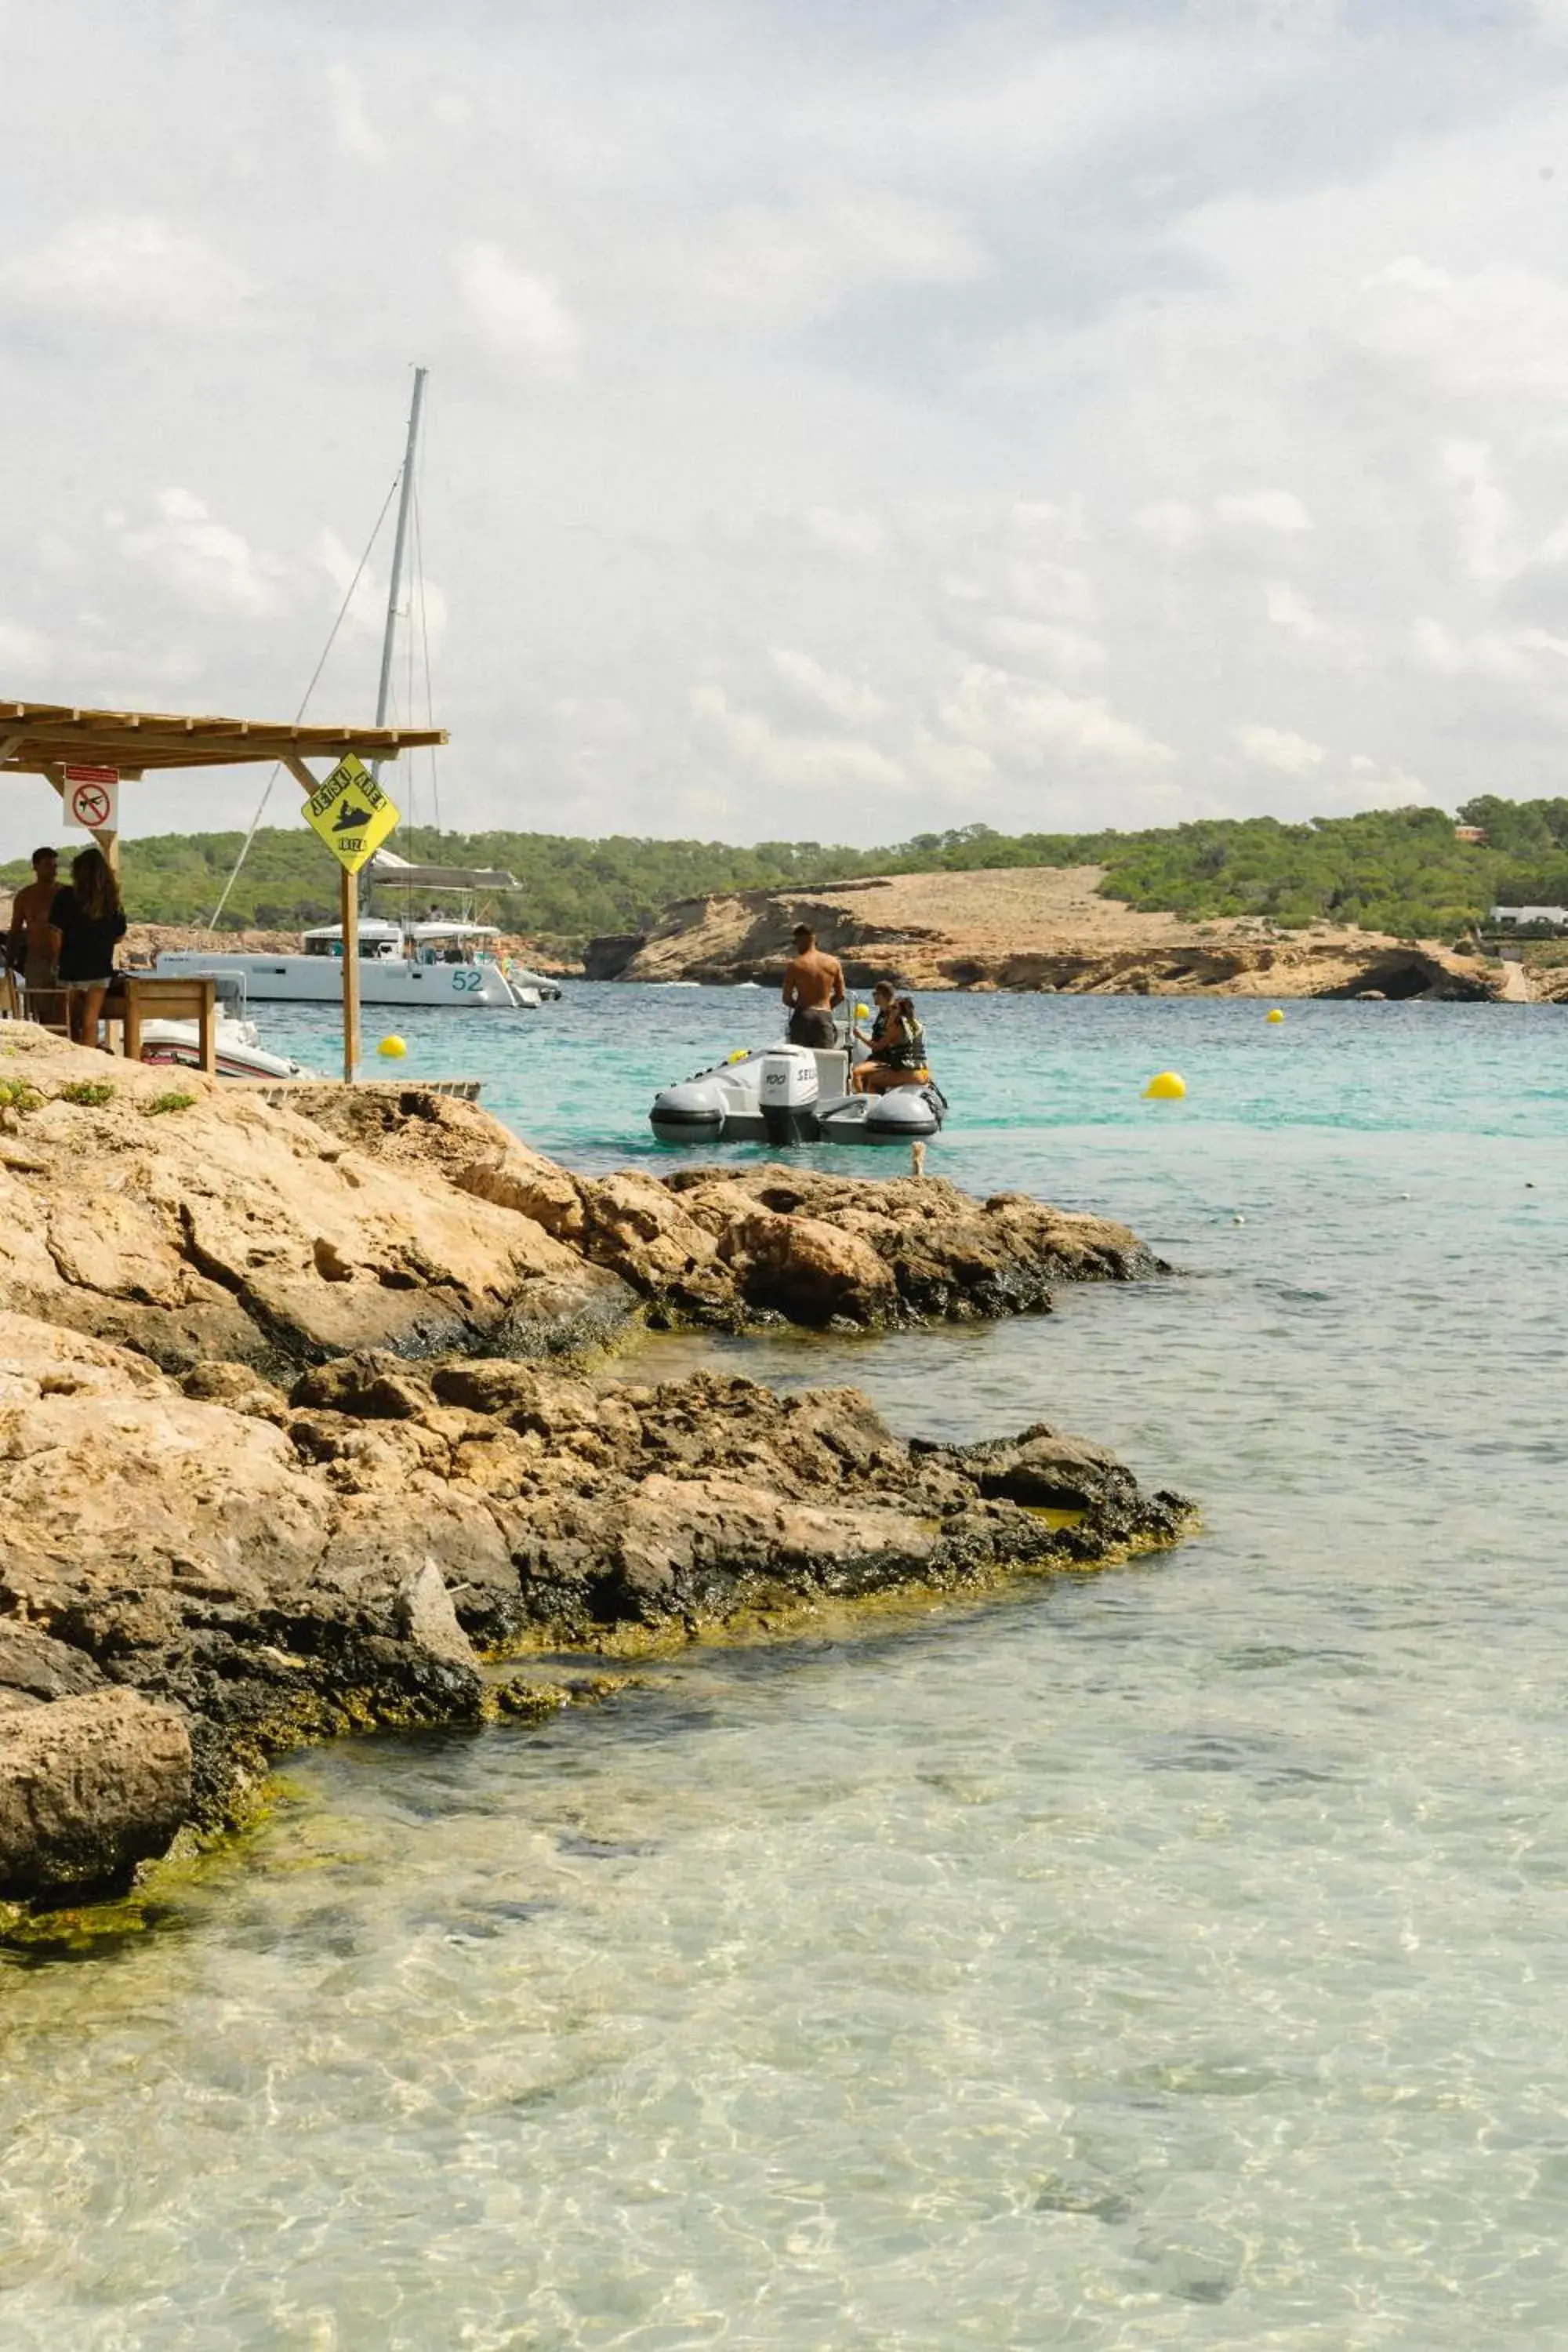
(424, 637)
(305, 701)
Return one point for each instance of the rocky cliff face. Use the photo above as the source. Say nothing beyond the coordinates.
(294, 1427)
(1028, 929)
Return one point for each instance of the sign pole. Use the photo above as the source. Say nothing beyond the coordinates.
(353, 816)
(347, 915)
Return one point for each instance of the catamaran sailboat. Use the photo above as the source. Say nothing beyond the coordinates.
(446, 960)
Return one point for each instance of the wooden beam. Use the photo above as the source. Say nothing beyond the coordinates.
(298, 771)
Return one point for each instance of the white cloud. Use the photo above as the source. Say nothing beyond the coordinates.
(1179, 526)
(1071, 654)
(1278, 748)
(367, 605)
(1171, 523)
(1484, 513)
(1289, 610)
(1496, 331)
(1279, 510)
(356, 134)
(784, 265)
(21, 649)
(203, 562)
(1059, 382)
(1511, 656)
(129, 269)
(796, 762)
(517, 311)
(1028, 725)
(1373, 783)
(845, 698)
(846, 531)
(1063, 591)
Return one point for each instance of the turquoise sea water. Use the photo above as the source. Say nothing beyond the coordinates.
(1176, 1957)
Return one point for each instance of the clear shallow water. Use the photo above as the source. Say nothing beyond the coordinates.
(1174, 1957)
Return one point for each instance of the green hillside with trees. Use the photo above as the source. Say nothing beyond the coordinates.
(1398, 870)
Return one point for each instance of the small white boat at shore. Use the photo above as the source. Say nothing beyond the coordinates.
(236, 1040)
(240, 1053)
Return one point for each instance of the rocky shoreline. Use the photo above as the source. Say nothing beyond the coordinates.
(298, 1435)
(1030, 930)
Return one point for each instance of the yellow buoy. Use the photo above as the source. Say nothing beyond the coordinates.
(1165, 1086)
(392, 1047)
(738, 1056)
(1274, 1014)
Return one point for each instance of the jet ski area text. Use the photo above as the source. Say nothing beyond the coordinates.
(793, 1094)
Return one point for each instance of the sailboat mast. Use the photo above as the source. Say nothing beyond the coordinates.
(384, 692)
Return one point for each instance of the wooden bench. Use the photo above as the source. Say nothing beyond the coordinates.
(137, 1000)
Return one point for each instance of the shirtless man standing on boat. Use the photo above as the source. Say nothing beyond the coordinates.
(812, 985)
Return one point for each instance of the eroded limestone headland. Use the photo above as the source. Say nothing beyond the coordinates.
(310, 1413)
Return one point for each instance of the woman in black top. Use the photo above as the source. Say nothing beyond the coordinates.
(88, 921)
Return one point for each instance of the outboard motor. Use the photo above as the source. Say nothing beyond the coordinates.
(789, 1091)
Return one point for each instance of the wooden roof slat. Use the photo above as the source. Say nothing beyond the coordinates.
(41, 735)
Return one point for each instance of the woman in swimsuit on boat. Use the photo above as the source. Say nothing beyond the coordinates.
(899, 1054)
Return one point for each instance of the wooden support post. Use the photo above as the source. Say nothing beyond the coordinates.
(348, 905)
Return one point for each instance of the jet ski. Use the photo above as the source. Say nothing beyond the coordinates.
(792, 1093)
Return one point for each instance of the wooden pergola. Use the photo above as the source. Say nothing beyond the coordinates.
(45, 739)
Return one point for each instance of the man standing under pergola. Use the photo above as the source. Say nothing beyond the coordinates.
(29, 944)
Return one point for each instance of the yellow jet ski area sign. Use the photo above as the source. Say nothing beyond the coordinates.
(350, 813)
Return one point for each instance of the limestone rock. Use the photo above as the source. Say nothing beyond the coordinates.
(238, 1230)
(285, 1426)
(807, 1269)
(33, 1668)
(911, 1247)
(426, 1616)
(88, 1787)
(278, 1582)
(1025, 928)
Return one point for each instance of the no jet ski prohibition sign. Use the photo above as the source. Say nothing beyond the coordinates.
(92, 798)
(350, 813)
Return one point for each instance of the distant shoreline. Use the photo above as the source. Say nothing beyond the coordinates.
(1028, 930)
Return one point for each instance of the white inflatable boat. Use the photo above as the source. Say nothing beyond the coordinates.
(792, 1093)
(236, 1043)
(240, 1053)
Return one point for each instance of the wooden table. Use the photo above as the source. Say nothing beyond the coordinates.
(167, 999)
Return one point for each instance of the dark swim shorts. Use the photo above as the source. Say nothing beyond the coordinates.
(813, 1028)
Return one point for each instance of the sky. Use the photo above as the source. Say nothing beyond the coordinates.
(844, 421)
